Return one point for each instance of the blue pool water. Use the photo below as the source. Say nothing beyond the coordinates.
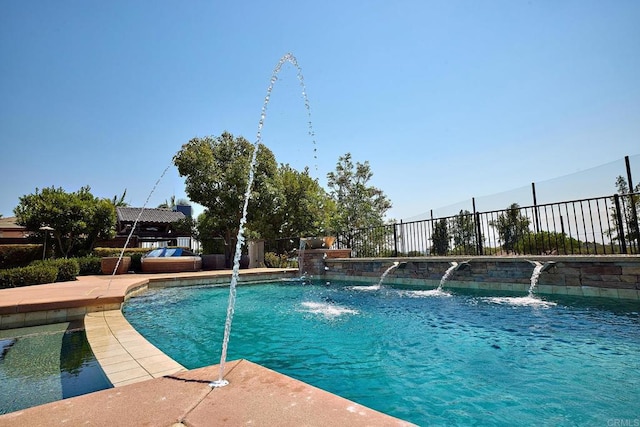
(432, 359)
(43, 364)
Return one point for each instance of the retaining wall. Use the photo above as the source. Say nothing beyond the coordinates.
(602, 276)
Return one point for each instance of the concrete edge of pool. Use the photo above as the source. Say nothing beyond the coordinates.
(152, 389)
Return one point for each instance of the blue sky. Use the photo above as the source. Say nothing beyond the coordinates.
(446, 99)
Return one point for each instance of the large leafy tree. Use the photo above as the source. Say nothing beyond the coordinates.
(78, 219)
(511, 226)
(217, 172)
(358, 204)
(303, 208)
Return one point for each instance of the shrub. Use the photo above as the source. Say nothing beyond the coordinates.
(89, 265)
(19, 255)
(104, 252)
(547, 243)
(68, 269)
(273, 260)
(136, 262)
(36, 274)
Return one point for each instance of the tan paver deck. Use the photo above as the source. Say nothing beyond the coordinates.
(255, 396)
(152, 389)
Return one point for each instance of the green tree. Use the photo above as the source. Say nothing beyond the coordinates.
(119, 201)
(168, 204)
(358, 204)
(630, 207)
(440, 238)
(463, 232)
(511, 226)
(217, 173)
(77, 219)
(304, 208)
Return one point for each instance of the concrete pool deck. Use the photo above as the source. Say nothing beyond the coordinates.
(152, 389)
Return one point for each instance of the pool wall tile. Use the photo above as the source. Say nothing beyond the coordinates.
(506, 286)
(609, 293)
(544, 289)
(57, 316)
(629, 294)
(35, 318)
(76, 313)
(9, 321)
(589, 291)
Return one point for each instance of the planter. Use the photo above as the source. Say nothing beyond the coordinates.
(171, 264)
(244, 261)
(108, 264)
(318, 242)
(213, 262)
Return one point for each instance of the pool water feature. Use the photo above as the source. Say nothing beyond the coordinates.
(43, 364)
(287, 58)
(459, 360)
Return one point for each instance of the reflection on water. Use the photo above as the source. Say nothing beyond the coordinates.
(46, 363)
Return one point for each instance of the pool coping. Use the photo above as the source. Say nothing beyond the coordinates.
(150, 387)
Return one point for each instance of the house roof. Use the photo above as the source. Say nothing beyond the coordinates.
(155, 215)
(9, 223)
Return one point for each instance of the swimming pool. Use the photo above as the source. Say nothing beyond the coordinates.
(43, 364)
(432, 359)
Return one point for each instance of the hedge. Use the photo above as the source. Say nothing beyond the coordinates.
(68, 269)
(26, 276)
(104, 252)
(19, 255)
(89, 265)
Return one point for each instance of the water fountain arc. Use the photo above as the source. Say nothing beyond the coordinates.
(290, 58)
(135, 223)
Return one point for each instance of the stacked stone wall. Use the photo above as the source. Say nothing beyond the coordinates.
(606, 276)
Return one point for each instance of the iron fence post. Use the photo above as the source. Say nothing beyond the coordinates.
(477, 228)
(536, 221)
(632, 201)
(623, 243)
(395, 240)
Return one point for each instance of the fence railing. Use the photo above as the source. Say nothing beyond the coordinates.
(596, 226)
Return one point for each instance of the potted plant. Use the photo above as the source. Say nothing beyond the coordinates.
(108, 264)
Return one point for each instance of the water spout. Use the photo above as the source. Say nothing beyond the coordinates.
(386, 273)
(454, 267)
(538, 269)
(221, 382)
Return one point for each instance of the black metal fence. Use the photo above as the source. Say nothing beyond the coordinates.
(596, 226)
(287, 245)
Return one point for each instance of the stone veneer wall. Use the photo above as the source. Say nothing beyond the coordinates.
(603, 276)
(312, 262)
